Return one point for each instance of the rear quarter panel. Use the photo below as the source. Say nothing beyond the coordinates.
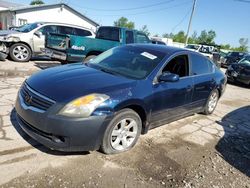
(87, 44)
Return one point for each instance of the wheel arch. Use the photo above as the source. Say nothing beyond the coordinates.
(22, 43)
(140, 109)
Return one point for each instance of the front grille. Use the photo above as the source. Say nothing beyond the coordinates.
(34, 99)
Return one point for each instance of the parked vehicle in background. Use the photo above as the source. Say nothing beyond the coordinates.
(73, 48)
(111, 100)
(232, 57)
(205, 50)
(158, 42)
(24, 42)
(239, 72)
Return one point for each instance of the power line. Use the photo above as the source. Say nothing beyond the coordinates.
(182, 20)
(132, 8)
(145, 12)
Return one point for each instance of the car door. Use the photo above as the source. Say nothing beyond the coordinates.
(39, 36)
(172, 99)
(202, 71)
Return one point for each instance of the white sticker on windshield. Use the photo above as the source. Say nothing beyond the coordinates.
(148, 55)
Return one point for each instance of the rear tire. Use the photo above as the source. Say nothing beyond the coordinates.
(211, 102)
(20, 52)
(122, 132)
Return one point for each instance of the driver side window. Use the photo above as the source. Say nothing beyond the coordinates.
(178, 65)
(48, 29)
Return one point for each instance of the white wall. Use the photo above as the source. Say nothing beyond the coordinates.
(62, 15)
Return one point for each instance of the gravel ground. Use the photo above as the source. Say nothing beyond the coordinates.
(198, 151)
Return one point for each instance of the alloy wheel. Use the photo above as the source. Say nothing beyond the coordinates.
(21, 53)
(212, 101)
(124, 134)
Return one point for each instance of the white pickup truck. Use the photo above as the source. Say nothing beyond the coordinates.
(203, 49)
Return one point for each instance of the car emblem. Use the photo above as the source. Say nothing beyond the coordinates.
(28, 99)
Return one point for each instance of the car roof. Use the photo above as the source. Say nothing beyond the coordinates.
(61, 24)
(160, 48)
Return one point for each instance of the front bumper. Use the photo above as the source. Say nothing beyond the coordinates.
(233, 76)
(4, 51)
(61, 133)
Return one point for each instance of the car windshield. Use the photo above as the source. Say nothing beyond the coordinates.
(235, 54)
(245, 60)
(128, 61)
(194, 47)
(28, 27)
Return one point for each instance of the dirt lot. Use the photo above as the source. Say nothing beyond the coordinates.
(198, 151)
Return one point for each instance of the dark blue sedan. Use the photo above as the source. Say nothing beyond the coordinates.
(107, 103)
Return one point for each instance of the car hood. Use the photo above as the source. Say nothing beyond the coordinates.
(240, 66)
(65, 83)
(8, 32)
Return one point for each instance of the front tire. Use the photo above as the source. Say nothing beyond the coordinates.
(122, 132)
(211, 102)
(20, 52)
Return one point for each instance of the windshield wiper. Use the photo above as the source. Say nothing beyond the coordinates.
(107, 71)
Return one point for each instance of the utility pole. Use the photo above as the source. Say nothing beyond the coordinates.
(190, 21)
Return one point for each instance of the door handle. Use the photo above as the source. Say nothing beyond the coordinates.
(189, 88)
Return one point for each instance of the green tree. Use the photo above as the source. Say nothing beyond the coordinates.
(207, 37)
(193, 39)
(145, 30)
(225, 46)
(179, 37)
(36, 2)
(123, 22)
(243, 44)
(166, 35)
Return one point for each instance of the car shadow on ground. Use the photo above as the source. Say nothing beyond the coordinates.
(45, 62)
(234, 147)
(34, 143)
(238, 84)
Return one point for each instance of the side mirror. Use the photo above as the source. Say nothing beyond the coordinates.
(168, 77)
(38, 33)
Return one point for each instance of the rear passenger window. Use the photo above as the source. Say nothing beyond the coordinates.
(129, 37)
(201, 65)
(82, 32)
(108, 33)
(66, 30)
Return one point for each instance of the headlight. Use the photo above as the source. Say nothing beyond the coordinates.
(84, 106)
(11, 39)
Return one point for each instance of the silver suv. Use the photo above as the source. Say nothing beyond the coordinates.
(27, 41)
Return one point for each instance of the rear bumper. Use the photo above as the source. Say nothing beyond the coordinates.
(62, 133)
(239, 78)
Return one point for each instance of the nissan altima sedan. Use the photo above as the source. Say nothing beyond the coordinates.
(110, 101)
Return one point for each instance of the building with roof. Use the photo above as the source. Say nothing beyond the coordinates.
(12, 14)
